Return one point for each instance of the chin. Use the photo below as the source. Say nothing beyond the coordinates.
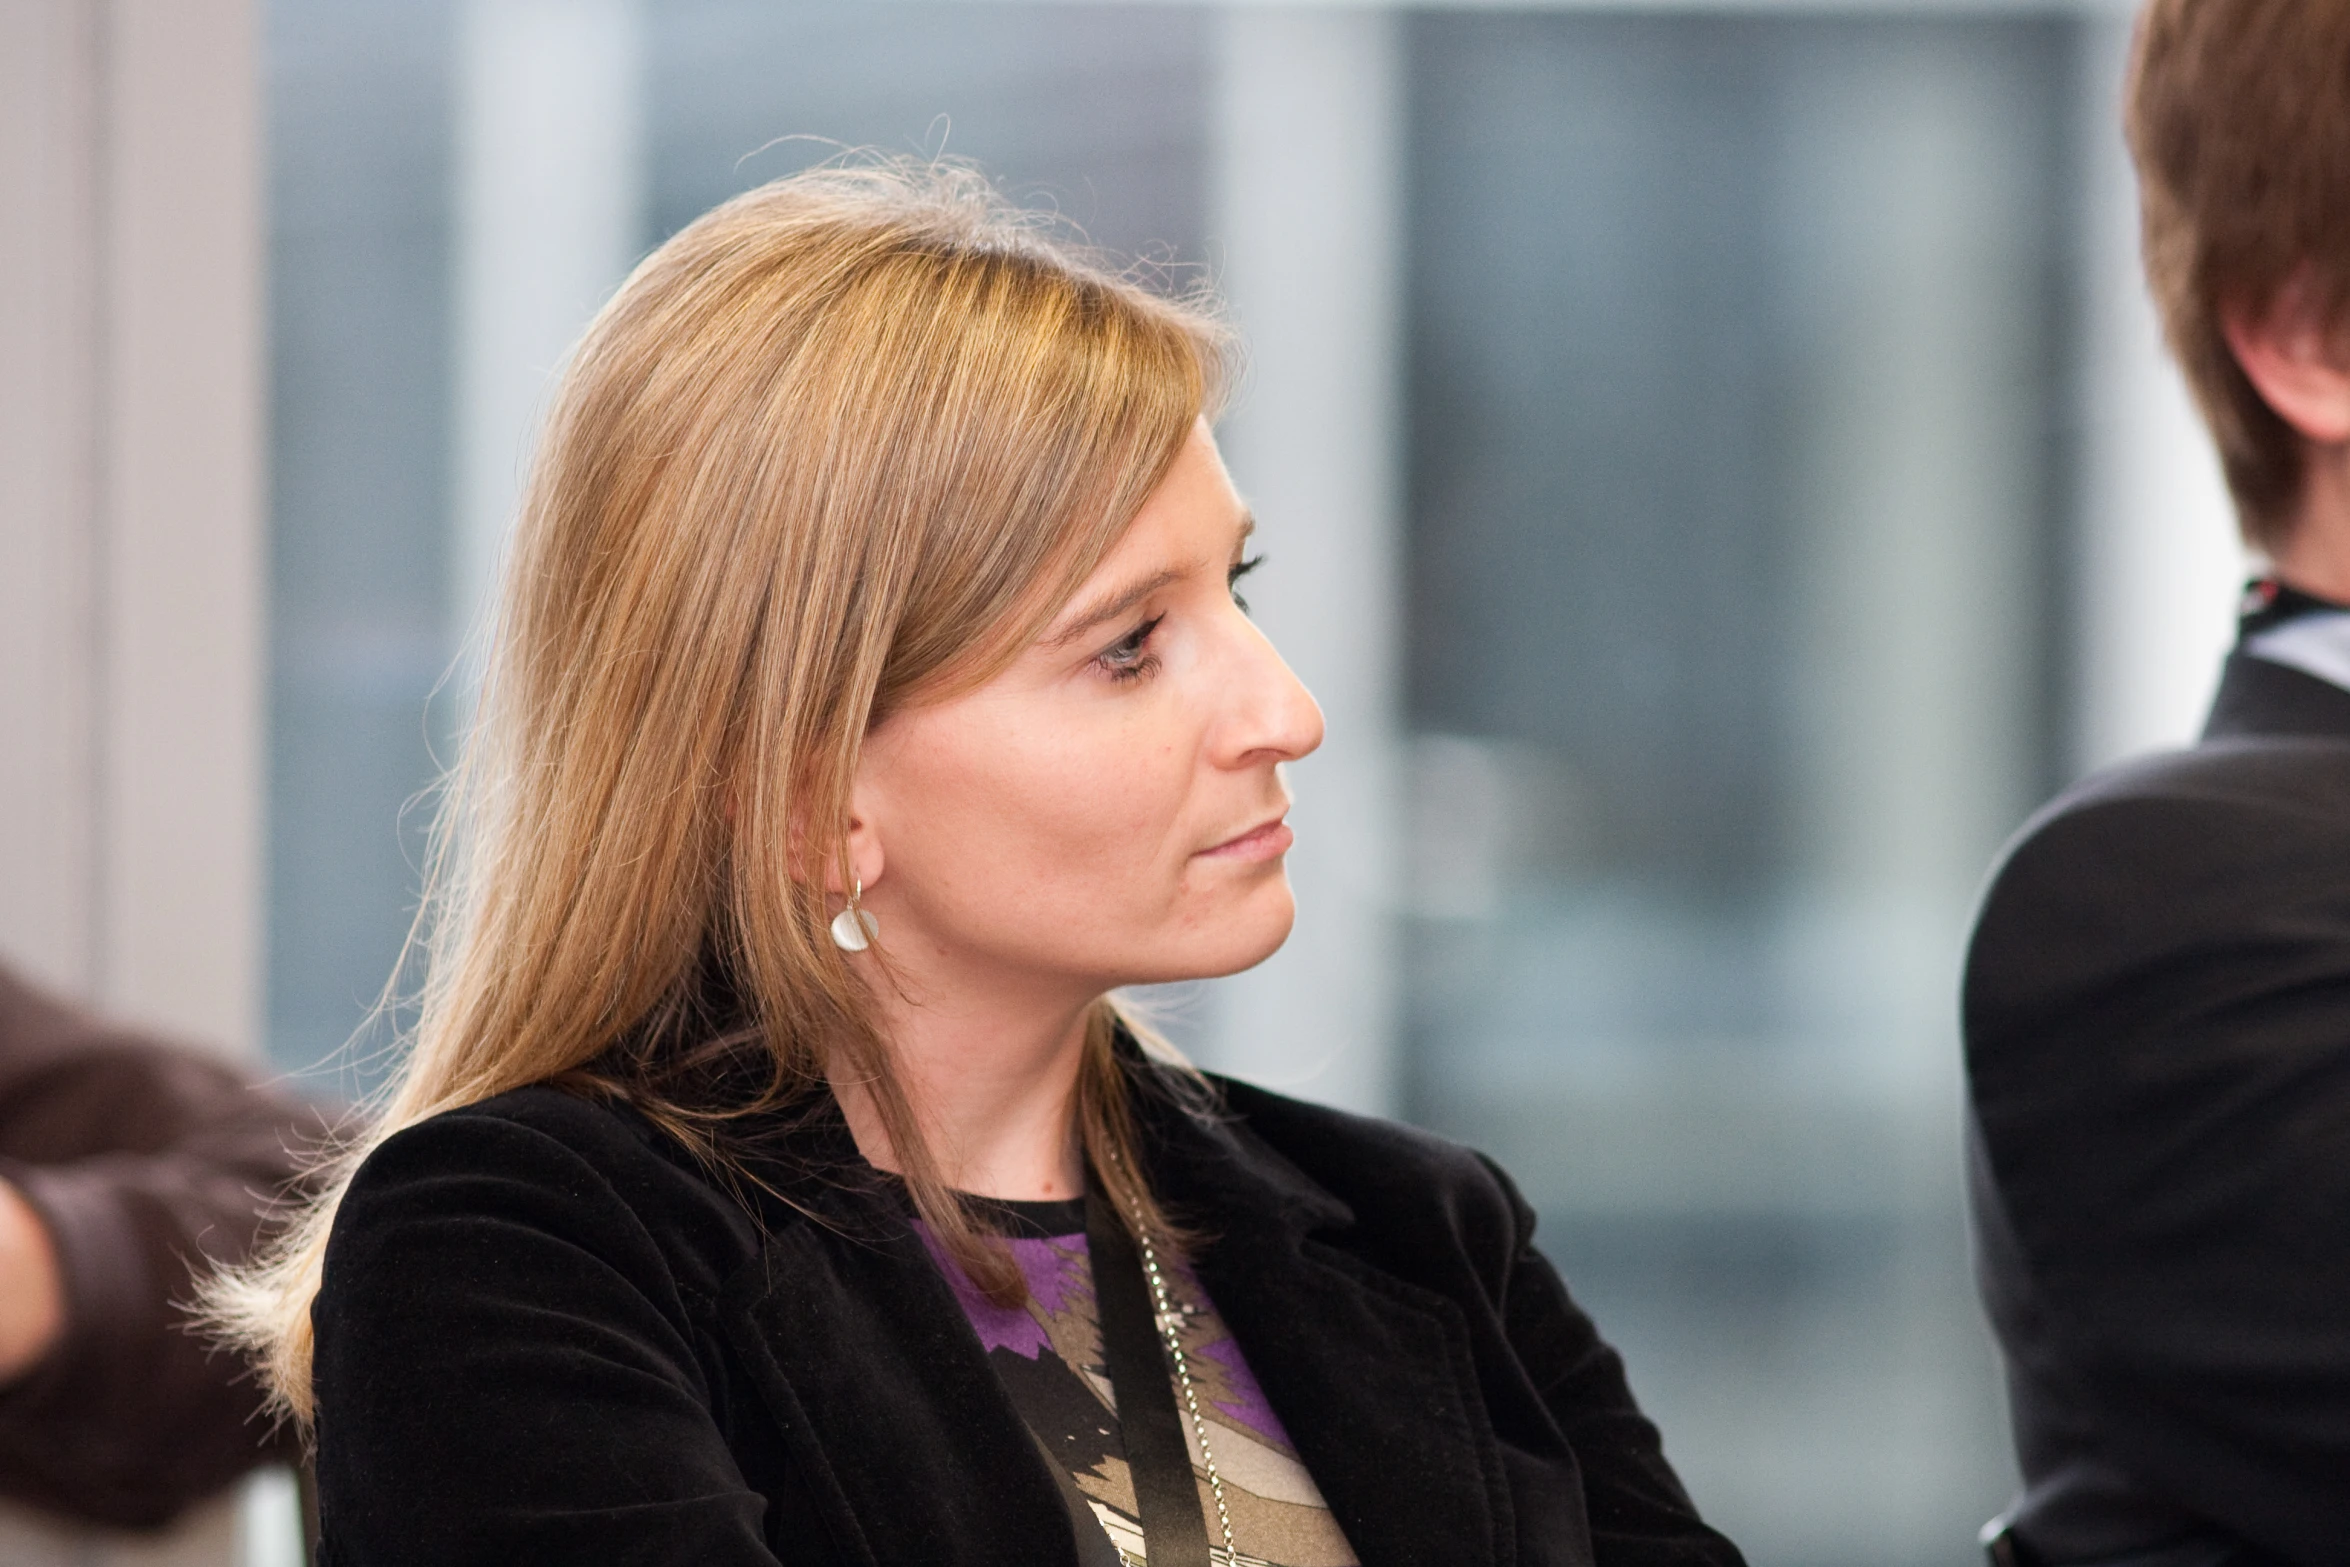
(1245, 938)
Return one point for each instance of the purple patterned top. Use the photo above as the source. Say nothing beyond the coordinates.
(1049, 1354)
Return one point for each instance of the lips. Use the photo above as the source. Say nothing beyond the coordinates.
(1262, 842)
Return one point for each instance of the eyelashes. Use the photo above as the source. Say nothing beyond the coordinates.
(1130, 658)
(1239, 570)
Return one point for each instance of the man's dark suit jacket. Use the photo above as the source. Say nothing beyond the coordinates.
(2157, 1018)
(546, 1336)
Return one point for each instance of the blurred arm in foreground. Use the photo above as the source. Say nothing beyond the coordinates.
(126, 1164)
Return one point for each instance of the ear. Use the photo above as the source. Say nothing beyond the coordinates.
(866, 859)
(2298, 359)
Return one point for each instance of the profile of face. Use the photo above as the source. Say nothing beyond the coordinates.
(1108, 809)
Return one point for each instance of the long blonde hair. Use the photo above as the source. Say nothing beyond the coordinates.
(843, 444)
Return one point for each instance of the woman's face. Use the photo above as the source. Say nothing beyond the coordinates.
(1107, 810)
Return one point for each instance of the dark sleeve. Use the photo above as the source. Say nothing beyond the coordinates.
(1640, 1514)
(507, 1370)
(2157, 1012)
(146, 1162)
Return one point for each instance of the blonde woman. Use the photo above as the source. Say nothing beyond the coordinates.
(772, 1179)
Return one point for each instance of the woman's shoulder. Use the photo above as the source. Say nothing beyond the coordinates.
(539, 1132)
(1389, 1176)
(1381, 1146)
(548, 1161)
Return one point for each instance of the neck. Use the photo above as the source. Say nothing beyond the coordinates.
(993, 1082)
(2315, 553)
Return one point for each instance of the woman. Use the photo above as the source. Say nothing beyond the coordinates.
(772, 1179)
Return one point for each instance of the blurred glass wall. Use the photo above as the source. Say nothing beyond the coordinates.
(1735, 474)
(1673, 504)
(360, 497)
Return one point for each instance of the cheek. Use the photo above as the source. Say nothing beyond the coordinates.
(1108, 810)
(1071, 821)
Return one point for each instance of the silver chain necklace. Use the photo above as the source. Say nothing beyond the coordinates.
(1169, 1319)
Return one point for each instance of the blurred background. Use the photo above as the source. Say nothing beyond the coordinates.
(1716, 469)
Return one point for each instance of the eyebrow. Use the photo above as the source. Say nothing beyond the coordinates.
(1116, 604)
(1123, 599)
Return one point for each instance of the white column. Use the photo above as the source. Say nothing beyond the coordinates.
(49, 145)
(131, 548)
(2159, 560)
(1306, 213)
(131, 553)
(184, 563)
(550, 216)
(1917, 483)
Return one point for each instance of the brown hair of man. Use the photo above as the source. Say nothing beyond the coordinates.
(2238, 116)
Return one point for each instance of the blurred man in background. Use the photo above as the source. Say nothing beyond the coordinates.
(2157, 1000)
(126, 1164)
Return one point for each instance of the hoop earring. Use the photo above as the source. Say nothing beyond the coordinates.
(853, 928)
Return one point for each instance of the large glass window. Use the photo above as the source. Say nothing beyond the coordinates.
(1713, 608)
(1733, 465)
(360, 532)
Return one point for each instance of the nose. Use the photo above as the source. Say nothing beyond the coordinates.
(1269, 714)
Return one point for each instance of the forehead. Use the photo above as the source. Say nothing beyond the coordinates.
(1192, 523)
(1194, 507)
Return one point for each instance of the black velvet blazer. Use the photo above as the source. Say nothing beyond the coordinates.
(546, 1337)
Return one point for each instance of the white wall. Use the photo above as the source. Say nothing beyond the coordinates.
(2159, 564)
(131, 545)
(131, 553)
(550, 217)
(49, 488)
(1918, 556)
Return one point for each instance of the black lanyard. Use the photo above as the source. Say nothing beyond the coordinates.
(1174, 1528)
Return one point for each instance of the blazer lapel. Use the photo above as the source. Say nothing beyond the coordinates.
(909, 1445)
(1373, 1378)
(912, 1451)
(2259, 699)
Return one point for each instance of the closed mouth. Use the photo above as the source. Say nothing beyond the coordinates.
(1260, 842)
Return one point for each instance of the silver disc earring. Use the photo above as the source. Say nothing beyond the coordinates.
(853, 929)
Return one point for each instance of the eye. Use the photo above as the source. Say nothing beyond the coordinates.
(1239, 570)
(1130, 658)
